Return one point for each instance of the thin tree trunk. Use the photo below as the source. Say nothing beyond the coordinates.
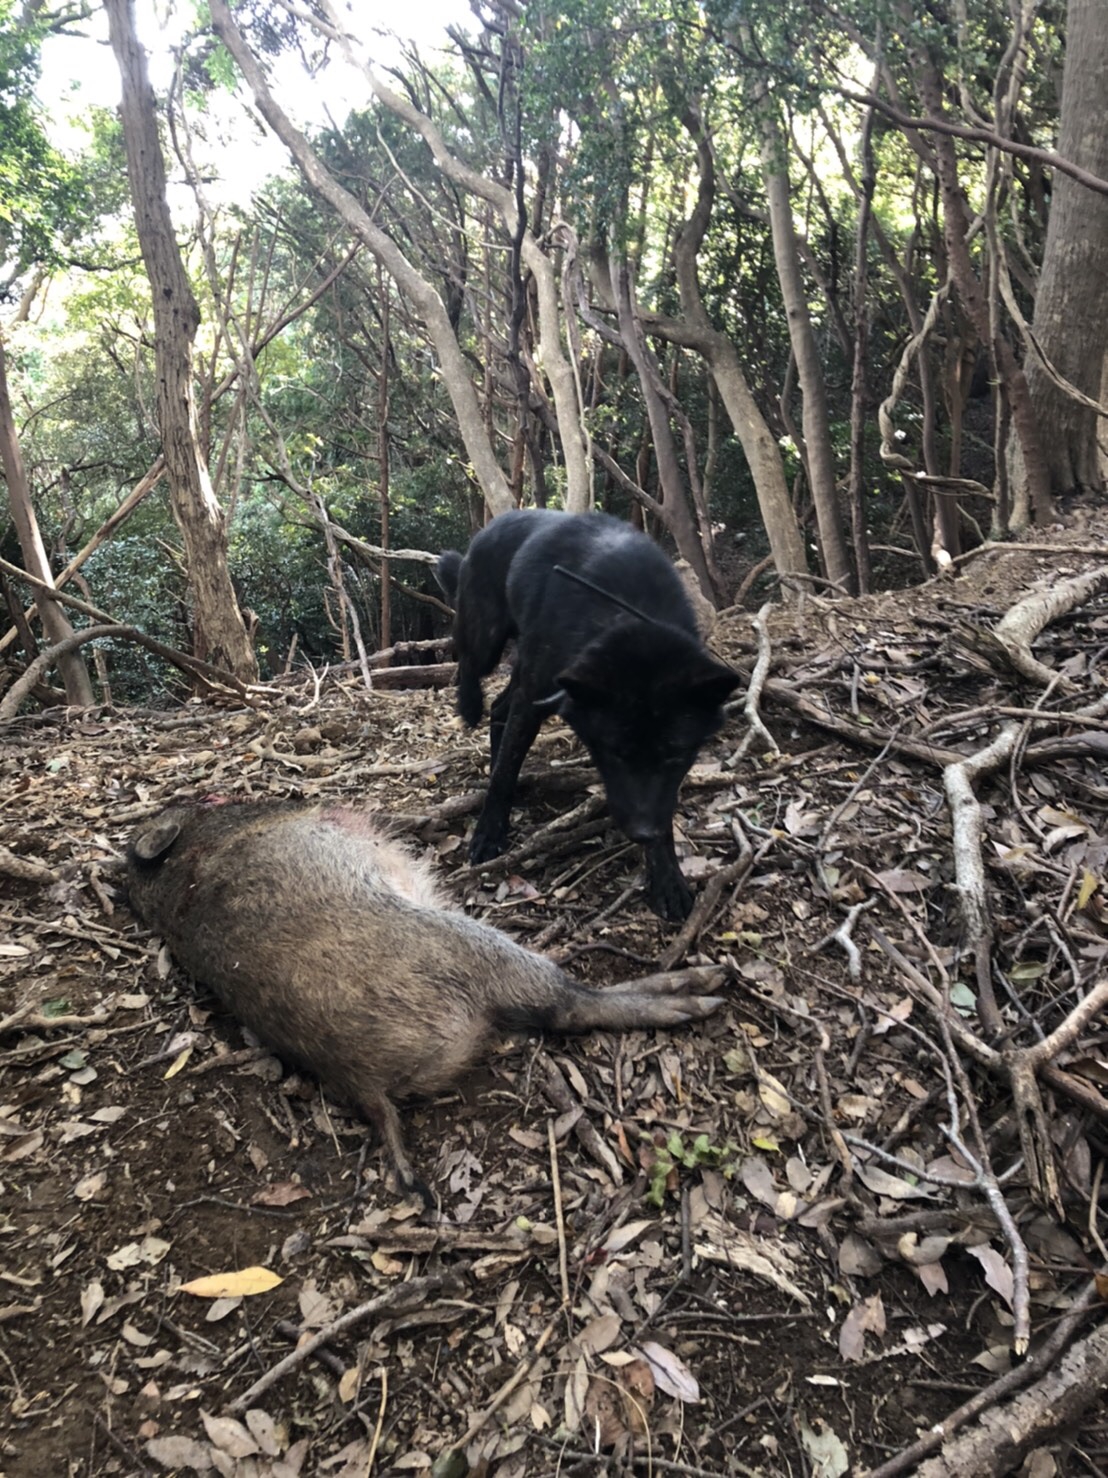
(220, 632)
(858, 377)
(815, 418)
(55, 623)
(696, 331)
(383, 455)
(1034, 493)
(422, 295)
(674, 500)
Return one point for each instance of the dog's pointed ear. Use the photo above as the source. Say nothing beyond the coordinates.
(584, 682)
(157, 841)
(711, 682)
(588, 680)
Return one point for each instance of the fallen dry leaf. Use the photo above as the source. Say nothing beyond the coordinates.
(243, 1283)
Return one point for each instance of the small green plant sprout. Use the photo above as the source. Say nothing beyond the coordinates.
(664, 1162)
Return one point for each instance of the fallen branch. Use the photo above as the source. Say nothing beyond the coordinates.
(755, 726)
(215, 677)
(24, 869)
(1009, 643)
(393, 1300)
(1037, 1364)
(1005, 1434)
(967, 827)
(26, 1018)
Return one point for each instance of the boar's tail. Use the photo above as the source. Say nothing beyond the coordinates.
(668, 999)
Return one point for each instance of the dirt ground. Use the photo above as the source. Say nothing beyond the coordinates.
(786, 1241)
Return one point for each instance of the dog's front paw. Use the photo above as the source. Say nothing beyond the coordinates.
(487, 842)
(670, 897)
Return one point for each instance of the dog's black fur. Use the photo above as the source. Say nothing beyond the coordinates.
(640, 690)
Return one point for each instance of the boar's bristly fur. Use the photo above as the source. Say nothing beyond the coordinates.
(333, 944)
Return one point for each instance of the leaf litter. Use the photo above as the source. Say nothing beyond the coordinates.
(722, 1248)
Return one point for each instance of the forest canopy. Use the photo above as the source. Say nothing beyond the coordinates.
(816, 293)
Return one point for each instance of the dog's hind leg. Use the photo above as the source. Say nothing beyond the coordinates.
(518, 724)
(667, 893)
(498, 717)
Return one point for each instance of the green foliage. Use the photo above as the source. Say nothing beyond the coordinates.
(48, 202)
(675, 1155)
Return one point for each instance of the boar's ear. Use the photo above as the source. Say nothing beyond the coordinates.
(157, 841)
(710, 682)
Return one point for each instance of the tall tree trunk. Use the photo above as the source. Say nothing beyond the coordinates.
(815, 419)
(550, 355)
(220, 632)
(1071, 309)
(858, 376)
(55, 624)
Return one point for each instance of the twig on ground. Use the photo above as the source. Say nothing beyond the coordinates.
(843, 936)
(559, 1219)
(510, 1384)
(557, 1090)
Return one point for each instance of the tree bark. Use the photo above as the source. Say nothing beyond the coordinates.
(1071, 308)
(420, 293)
(78, 685)
(220, 632)
(385, 633)
(813, 391)
(696, 331)
(858, 376)
(1033, 494)
(674, 500)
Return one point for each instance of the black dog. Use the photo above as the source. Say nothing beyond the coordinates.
(606, 637)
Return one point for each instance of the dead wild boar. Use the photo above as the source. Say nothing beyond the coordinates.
(334, 945)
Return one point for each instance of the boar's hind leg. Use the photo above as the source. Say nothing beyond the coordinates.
(675, 982)
(380, 1110)
(668, 999)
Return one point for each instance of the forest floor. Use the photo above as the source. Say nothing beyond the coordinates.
(789, 1240)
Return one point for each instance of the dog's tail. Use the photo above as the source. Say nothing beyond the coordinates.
(446, 573)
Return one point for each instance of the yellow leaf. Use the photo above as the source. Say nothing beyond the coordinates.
(178, 1063)
(233, 1285)
(1089, 884)
(763, 1143)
